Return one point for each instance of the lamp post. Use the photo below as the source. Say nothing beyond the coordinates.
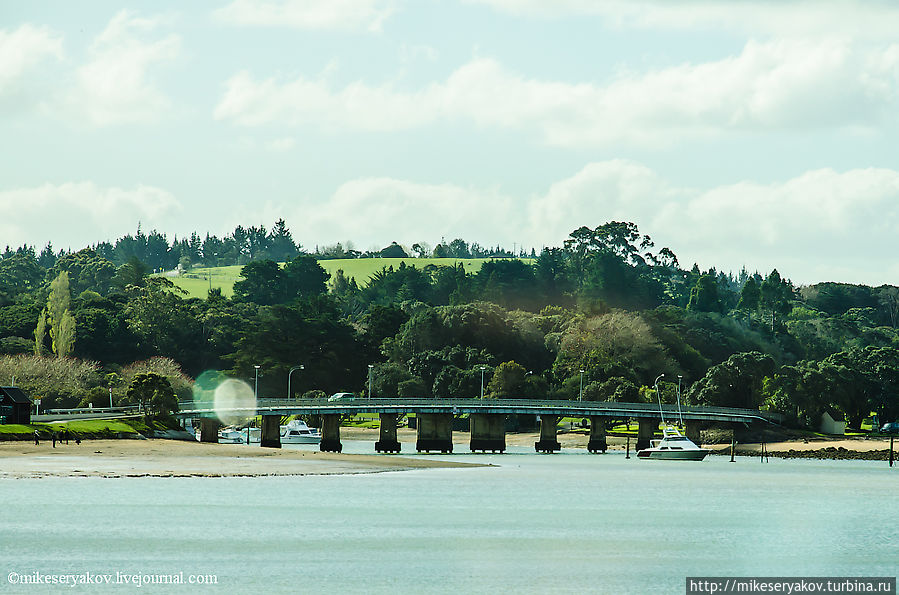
(655, 383)
(110, 397)
(370, 367)
(482, 381)
(256, 388)
(292, 370)
(580, 395)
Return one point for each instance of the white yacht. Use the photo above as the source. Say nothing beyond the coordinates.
(232, 436)
(673, 446)
(297, 432)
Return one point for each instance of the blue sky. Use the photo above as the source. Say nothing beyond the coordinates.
(751, 133)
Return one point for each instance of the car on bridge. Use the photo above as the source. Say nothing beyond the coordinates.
(341, 397)
(891, 428)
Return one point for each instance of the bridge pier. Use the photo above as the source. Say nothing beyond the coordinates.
(209, 429)
(435, 432)
(548, 442)
(271, 431)
(488, 432)
(387, 441)
(646, 430)
(691, 431)
(597, 442)
(330, 433)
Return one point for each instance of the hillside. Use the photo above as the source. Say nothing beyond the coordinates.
(198, 281)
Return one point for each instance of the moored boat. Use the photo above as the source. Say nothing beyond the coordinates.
(297, 432)
(673, 446)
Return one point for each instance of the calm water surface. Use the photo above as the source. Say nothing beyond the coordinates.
(568, 522)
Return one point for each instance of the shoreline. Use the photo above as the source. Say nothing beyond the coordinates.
(175, 458)
(116, 458)
(836, 448)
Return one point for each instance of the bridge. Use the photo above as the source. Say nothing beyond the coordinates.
(434, 419)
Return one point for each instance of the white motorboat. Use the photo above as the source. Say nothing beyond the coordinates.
(297, 432)
(673, 446)
(232, 436)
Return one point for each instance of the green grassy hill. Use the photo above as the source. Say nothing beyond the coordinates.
(198, 281)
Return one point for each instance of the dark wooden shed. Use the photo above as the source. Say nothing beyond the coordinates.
(15, 406)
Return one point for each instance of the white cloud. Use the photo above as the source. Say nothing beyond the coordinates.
(309, 14)
(22, 49)
(814, 227)
(804, 18)
(116, 85)
(768, 86)
(375, 211)
(821, 225)
(22, 52)
(281, 145)
(77, 214)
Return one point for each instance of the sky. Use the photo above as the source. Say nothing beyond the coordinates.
(757, 134)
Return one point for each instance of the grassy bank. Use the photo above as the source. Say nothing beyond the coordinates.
(93, 429)
(198, 281)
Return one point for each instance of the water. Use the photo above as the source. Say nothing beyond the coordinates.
(568, 522)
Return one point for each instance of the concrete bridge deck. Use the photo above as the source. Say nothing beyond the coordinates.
(495, 406)
(435, 419)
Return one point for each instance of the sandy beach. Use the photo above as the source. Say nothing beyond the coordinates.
(819, 447)
(173, 458)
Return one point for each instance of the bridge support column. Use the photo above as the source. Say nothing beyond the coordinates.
(209, 429)
(387, 441)
(548, 441)
(691, 430)
(271, 431)
(488, 432)
(645, 432)
(435, 432)
(330, 433)
(597, 442)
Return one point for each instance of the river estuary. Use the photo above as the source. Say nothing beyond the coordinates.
(566, 523)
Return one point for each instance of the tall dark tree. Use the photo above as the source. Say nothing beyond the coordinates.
(704, 296)
(281, 245)
(775, 295)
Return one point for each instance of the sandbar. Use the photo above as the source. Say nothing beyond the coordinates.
(173, 458)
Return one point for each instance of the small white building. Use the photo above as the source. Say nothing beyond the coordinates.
(832, 422)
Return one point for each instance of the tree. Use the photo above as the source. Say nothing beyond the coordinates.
(775, 295)
(749, 295)
(281, 245)
(19, 273)
(704, 295)
(394, 250)
(58, 318)
(40, 333)
(154, 393)
(508, 381)
(736, 382)
(261, 283)
(86, 270)
(303, 278)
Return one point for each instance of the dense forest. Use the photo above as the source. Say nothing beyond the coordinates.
(599, 318)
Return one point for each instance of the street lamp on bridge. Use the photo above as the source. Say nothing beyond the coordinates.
(292, 370)
(580, 395)
(256, 388)
(370, 367)
(655, 383)
(482, 380)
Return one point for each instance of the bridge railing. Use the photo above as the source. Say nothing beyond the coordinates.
(575, 407)
(79, 410)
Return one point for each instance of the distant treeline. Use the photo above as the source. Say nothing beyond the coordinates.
(599, 318)
(246, 244)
